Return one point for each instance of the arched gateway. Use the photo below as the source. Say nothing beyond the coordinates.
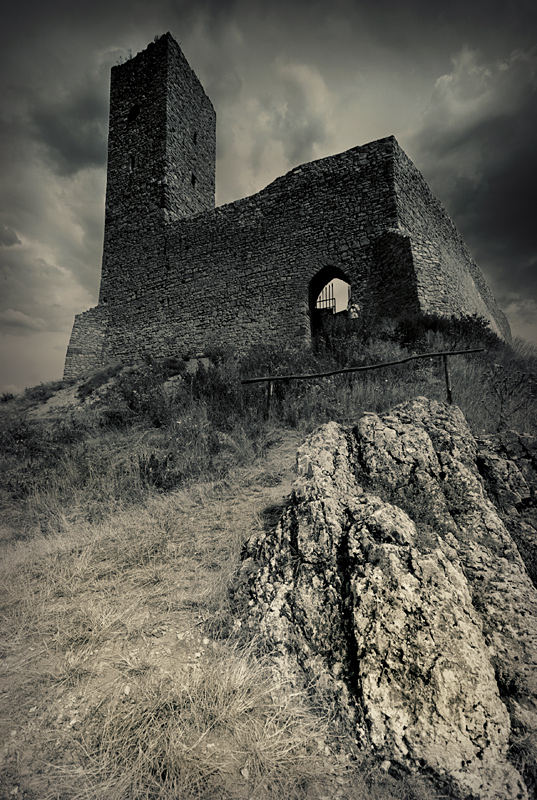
(328, 293)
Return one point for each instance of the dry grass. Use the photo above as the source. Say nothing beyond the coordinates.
(223, 729)
(139, 434)
(117, 689)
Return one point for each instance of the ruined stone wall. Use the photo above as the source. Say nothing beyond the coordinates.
(392, 285)
(86, 345)
(447, 278)
(241, 274)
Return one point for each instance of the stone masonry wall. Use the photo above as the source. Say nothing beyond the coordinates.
(447, 278)
(240, 275)
(136, 159)
(392, 286)
(190, 140)
(85, 350)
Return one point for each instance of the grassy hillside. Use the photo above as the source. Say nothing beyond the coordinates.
(127, 498)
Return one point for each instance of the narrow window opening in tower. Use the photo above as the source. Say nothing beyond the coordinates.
(133, 113)
(193, 180)
(195, 137)
(132, 164)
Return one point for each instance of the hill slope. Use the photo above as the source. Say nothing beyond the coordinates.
(127, 499)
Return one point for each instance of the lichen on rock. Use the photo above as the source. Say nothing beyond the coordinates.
(393, 587)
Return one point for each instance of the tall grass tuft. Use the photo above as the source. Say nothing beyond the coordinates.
(228, 730)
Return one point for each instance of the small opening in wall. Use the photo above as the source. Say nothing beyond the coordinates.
(133, 113)
(334, 296)
(195, 137)
(193, 179)
(132, 163)
(329, 294)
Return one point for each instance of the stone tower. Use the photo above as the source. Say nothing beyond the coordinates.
(161, 159)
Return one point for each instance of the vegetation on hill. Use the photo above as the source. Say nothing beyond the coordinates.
(127, 499)
(161, 423)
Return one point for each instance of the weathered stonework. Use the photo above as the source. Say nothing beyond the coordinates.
(179, 275)
(87, 340)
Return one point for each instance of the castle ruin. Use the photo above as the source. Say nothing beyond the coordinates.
(179, 275)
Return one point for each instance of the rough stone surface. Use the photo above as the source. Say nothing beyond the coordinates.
(179, 275)
(394, 588)
(508, 464)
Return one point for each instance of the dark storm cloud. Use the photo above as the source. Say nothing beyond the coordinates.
(294, 117)
(477, 148)
(300, 122)
(67, 104)
(12, 320)
(31, 284)
(8, 237)
(72, 128)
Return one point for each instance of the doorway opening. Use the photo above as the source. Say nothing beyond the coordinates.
(329, 294)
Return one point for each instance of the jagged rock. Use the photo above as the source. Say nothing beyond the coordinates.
(394, 588)
(508, 464)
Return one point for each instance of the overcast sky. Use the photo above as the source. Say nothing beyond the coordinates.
(290, 81)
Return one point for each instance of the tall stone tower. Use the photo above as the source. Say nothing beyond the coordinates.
(161, 160)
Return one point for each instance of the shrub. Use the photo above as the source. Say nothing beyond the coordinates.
(172, 366)
(44, 391)
(510, 392)
(465, 332)
(97, 380)
(205, 421)
(137, 396)
(31, 441)
(187, 450)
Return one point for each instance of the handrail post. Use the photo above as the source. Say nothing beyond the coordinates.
(448, 379)
(270, 389)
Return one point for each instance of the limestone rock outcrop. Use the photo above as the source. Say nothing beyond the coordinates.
(394, 587)
(508, 464)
